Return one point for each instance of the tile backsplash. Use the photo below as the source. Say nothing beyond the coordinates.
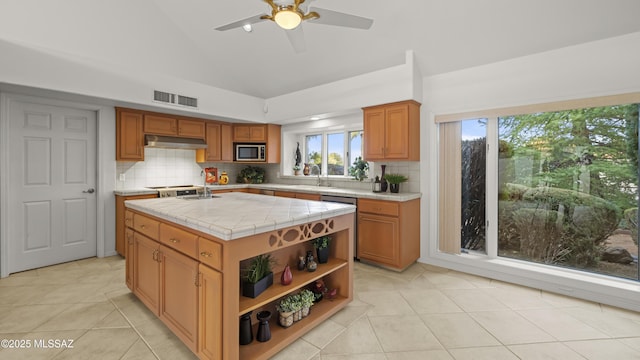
(168, 167)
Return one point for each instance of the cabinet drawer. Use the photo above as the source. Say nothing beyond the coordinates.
(183, 241)
(146, 226)
(128, 219)
(210, 253)
(378, 207)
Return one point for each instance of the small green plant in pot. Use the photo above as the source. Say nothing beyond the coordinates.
(258, 276)
(306, 298)
(289, 310)
(321, 244)
(394, 181)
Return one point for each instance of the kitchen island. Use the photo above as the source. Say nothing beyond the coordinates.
(185, 256)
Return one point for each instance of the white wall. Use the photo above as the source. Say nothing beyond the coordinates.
(595, 69)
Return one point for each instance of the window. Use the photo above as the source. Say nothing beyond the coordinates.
(333, 152)
(555, 184)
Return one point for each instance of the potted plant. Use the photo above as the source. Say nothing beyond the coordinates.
(322, 248)
(359, 169)
(258, 276)
(306, 298)
(289, 310)
(251, 175)
(394, 181)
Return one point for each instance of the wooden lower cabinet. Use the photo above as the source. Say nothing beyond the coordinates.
(129, 242)
(389, 232)
(297, 195)
(210, 308)
(121, 219)
(146, 273)
(179, 295)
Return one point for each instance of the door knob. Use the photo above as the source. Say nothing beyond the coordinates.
(90, 191)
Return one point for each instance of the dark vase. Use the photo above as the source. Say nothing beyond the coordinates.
(383, 182)
(253, 290)
(302, 264)
(394, 188)
(264, 332)
(287, 276)
(246, 335)
(323, 255)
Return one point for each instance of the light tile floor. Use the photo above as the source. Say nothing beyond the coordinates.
(422, 313)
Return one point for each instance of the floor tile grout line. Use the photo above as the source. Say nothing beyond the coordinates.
(134, 329)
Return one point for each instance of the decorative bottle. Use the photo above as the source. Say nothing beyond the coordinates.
(302, 264)
(312, 265)
(383, 182)
(287, 276)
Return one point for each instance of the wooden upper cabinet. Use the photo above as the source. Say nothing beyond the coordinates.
(392, 131)
(250, 133)
(160, 125)
(166, 125)
(219, 143)
(191, 128)
(129, 136)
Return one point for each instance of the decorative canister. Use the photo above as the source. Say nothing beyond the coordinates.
(224, 178)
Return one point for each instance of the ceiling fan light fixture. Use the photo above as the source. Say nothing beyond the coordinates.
(247, 27)
(288, 19)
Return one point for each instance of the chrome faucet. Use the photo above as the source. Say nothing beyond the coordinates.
(315, 166)
(205, 191)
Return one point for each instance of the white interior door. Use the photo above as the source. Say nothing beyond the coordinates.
(52, 177)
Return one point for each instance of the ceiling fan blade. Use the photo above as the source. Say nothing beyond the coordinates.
(240, 23)
(296, 38)
(335, 18)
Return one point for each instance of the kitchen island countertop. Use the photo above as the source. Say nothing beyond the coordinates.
(234, 215)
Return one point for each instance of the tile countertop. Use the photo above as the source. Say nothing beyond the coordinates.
(323, 190)
(234, 215)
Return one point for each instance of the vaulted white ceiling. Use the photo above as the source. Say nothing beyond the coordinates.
(177, 37)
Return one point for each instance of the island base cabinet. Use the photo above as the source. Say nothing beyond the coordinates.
(146, 273)
(210, 306)
(179, 295)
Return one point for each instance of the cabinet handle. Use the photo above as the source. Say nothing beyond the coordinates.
(143, 226)
(154, 256)
(175, 241)
(159, 256)
(206, 254)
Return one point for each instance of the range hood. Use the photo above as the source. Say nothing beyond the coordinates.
(172, 142)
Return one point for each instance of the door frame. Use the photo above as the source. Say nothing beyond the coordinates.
(5, 102)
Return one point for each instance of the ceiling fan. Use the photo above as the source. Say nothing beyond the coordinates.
(290, 16)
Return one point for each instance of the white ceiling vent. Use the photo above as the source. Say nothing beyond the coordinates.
(175, 99)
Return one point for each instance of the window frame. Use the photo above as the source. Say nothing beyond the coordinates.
(324, 148)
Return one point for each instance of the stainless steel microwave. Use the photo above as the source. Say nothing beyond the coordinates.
(250, 152)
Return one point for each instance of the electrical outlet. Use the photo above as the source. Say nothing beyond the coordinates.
(121, 178)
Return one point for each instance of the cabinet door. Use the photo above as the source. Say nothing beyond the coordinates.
(191, 128)
(226, 143)
(250, 133)
(160, 125)
(210, 317)
(130, 256)
(396, 131)
(146, 271)
(374, 134)
(213, 142)
(129, 136)
(124, 219)
(179, 295)
(378, 238)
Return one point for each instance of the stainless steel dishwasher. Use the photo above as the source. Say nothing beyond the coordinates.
(350, 201)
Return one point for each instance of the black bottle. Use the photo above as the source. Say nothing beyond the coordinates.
(246, 334)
